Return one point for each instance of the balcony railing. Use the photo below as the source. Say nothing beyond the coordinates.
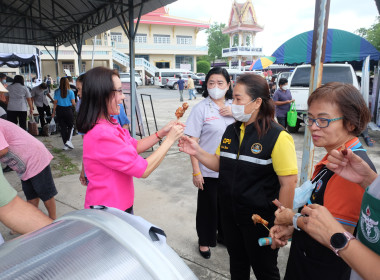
(234, 51)
(163, 47)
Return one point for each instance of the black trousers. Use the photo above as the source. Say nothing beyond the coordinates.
(283, 121)
(245, 252)
(41, 112)
(65, 120)
(208, 213)
(17, 117)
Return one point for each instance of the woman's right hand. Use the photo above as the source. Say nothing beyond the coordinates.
(198, 181)
(188, 146)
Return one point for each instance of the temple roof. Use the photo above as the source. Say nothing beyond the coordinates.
(161, 17)
(242, 18)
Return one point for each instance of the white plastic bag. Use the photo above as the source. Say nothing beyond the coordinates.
(52, 126)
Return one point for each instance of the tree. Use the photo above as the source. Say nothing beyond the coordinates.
(203, 66)
(371, 34)
(216, 41)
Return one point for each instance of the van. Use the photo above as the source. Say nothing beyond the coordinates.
(168, 73)
(126, 78)
(300, 79)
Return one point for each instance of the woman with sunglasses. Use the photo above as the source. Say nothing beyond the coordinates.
(337, 113)
(110, 155)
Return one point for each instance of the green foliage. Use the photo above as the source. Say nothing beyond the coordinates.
(203, 66)
(216, 41)
(371, 34)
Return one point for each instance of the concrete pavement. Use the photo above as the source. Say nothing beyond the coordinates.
(167, 198)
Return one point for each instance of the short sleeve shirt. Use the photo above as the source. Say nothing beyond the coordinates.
(17, 94)
(181, 84)
(280, 95)
(64, 102)
(111, 168)
(205, 123)
(39, 96)
(284, 158)
(26, 155)
(7, 193)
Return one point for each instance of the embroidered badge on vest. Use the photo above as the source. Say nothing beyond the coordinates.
(318, 186)
(369, 227)
(256, 148)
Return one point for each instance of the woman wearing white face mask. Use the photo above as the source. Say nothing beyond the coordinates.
(282, 99)
(257, 163)
(206, 124)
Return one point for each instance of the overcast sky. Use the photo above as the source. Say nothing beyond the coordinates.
(281, 19)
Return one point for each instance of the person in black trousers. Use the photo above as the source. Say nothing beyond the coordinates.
(63, 100)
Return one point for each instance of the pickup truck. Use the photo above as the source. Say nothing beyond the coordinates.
(172, 82)
(299, 85)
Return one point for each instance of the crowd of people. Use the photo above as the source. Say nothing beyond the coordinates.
(242, 158)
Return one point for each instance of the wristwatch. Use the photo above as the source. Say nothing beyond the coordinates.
(339, 241)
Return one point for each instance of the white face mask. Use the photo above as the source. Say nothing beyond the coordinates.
(238, 112)
(217, 93)
(285, 87)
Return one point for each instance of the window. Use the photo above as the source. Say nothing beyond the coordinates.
(161, 39)
(140, 38)
(184, 40)
(69, 66)
(163, 65)
(116, 37)
(181, 61)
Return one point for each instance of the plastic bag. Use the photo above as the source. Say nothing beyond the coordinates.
(52, 126)
(292, 115)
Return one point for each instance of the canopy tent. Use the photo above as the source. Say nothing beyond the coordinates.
(14, 60)
(70, 22)
(341, 46)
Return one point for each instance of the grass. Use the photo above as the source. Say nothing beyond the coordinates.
(61, 165)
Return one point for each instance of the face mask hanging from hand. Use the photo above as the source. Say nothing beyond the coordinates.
(238, 112)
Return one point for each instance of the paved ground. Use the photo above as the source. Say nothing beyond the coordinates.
(167, 198)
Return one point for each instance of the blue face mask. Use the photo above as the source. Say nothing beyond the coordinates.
(4, 81)
(303, 193)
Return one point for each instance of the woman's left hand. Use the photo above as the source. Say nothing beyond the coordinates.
(225, 111)
(280, 235)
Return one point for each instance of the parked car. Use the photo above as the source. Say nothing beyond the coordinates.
(172, 82)
(299, 85)
(126, 78)
(162, 75)
(200, 75)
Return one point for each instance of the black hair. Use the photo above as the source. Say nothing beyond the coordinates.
(218, 71)
(80, 78)
(97, 91)
(18, 79)
(43, 86)
(64, 86)
(2, 75)
(282, 81)
(257, 87)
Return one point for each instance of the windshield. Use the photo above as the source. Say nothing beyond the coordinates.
(301, 77)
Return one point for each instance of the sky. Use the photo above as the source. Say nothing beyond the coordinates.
(281, 19)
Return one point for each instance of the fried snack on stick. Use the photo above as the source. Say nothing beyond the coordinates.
(257, 219)
(181, 110)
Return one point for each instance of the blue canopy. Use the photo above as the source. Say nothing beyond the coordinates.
(341, 46)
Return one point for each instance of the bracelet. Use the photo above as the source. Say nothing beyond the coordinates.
(295, 218)
(199, 173)
(159, 138)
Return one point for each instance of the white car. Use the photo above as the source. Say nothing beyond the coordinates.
(126, 78)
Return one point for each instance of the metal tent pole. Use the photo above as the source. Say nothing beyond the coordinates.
(321, 19)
